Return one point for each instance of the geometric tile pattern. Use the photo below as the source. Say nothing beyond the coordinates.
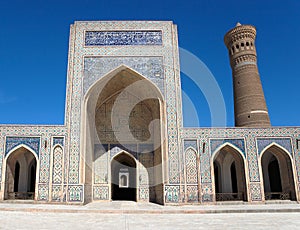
(75, 193)
(171, 193)
(239, 143)
(192, 193)
(58, 141)
(297, 161)
(31, 142)
(190, 143)
(191, 166)
(43, 192)
(150, 67)
(255, 192)
(144, 193)
(123, 38)
(56, 193)
(57, 165)
(205, 167)
(264, 142)
(207, 192)
(100, 192)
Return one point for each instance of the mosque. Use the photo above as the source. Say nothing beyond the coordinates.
(123, 137)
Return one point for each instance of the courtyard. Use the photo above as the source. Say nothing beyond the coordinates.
(132, 215)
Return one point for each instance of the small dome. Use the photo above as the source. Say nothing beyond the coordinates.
(238, 24)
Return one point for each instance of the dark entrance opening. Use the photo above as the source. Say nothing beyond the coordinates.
(216, 171)
(278, 174)
(274, 175)
(233, 178)
(123, 175)
(32, 176)
(20, 175)
(16, 178)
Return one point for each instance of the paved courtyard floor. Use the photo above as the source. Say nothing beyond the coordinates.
(131, 215)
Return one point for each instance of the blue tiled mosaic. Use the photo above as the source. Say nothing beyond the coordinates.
(122, 38)
(264, 142)
(190, 143)
(149, 67)
(31, 142)
(239, 143)
(58, 141)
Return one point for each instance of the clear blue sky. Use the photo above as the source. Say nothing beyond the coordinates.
(34, 49)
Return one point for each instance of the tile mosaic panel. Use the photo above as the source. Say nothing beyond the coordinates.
(57, 193)
(32, 142)
(172, 193)
(207, 193)
(75, 193)
(239, 143)
(57, 170)
(190, 143)
(284, 142)
(58, 141)
(205, 166)
(101, 161)
(122, 38)
(149, 67)
(43, 192)
(100, 192)
(255, 192)
(192, 194)
(297, 161)
(191, 166)
(45, 155)
(144, 193)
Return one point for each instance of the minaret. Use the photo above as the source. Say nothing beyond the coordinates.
(250, 107)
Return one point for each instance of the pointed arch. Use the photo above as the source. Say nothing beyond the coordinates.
(274, 144)
(22, 146)
(123, 169)
(98, 126)
(57, 164)
(191, 166)
(229, 145)
(228, 167)
(28, 166)
(192, 174)
(277, 172)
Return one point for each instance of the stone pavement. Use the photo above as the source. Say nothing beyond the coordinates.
(132, 215)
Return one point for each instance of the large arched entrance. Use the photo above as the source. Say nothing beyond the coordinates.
(125, 112)
(277, 174)
(229, 175)
(123, 178)
(20, 175)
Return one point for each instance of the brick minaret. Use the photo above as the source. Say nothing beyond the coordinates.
(249, 102)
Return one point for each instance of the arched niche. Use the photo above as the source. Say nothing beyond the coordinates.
(124, 110)
(229, 174)
(20, 174)
(278, 176)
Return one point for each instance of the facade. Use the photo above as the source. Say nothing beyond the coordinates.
(123, 137)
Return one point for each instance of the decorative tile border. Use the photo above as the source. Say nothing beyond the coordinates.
(31, 142)
(100, 193)
(75, 193)
(58, 141)
(284, 142)
(123, 38)
(172, 193)
(239, 143)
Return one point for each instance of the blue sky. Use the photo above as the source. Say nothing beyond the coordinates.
(34, 49)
